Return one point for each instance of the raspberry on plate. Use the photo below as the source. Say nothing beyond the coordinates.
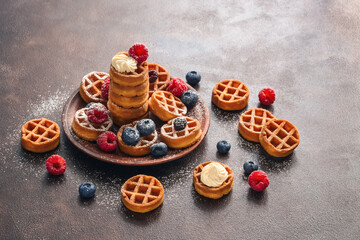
(177, 86)
(105, 88)
(87, 190)
(107, 141)
(258, 180)
(139, 52)
(56, 165)
(97, 113)
(267, 96)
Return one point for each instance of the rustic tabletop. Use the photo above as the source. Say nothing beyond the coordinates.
(307, 51)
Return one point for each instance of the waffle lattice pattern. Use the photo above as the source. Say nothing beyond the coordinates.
(83, 121)
(281, 134)
(92, 83)
(142, 189)
(162, 81)
(231, 90)
(254, 119)
(170, 103)
(170, 131)
(40, 131)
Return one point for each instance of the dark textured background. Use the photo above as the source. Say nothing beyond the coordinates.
(308, 51)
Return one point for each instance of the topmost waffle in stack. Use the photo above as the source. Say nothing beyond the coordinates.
(128, 93)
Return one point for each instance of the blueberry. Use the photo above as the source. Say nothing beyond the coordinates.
(158, 149)
(153, 75)
(87, 190)
(89, 104)
(145, 127)
(249, 167)
(130, 136)
(193, 78)
(180, 123)
(189, 98)
(223, 146)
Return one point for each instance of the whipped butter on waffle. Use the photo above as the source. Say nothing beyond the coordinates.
(213, 175)
(123, 63)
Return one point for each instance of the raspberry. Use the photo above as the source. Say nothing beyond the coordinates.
(97, 113)
(258, 180)
(177, 87)
(139, 52)
(55, 165)
(267, 96)
(107, 141)
(105, 89)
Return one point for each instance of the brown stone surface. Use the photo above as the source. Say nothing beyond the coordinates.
(307, 51)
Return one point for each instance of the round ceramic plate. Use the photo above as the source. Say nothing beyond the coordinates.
(200, 111)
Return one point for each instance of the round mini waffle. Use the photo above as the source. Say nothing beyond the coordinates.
(87, 130)
(212, 192)
(127, 91)
(142, 193)
(230, 95)
(130, 79)
(90, 87)
(166, 106)
(127, 113)
(40, 135)
(162, 81)
(279, 137)
(142, 148)
(183, 138)
(129, 102)
(251, 122)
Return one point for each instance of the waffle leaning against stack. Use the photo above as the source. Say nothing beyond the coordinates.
(129, 89)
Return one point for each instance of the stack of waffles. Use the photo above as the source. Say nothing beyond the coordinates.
(129, 91)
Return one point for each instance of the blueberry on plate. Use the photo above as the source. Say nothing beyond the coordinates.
(130, 136)
(158, 149)
(145, 127)
(153, 75)
(193, 78)
(189, 98)
(223, 147)
(249, 167)
(87, 190)
(180, 123)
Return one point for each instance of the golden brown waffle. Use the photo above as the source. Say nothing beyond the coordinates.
(127, 91)
(126, 113)
(129, 102)
(183, 138)
(90, 87)
(142, 148)
(130, 79)
(212, 192)
(162, 81)
(279, 137)
(40, 135)
(87, 130)
(142, 193)
(230, 95)
(251, 122)
(166, 106)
